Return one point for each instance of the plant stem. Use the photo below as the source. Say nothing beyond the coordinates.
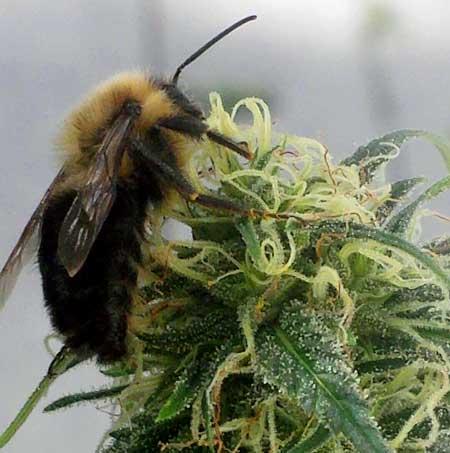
(64, 360)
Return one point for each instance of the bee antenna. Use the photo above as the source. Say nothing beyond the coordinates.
(210, 43)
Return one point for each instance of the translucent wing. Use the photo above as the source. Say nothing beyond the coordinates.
(93, 202)
(26, 246)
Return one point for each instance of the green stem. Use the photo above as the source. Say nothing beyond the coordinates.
(64, 360)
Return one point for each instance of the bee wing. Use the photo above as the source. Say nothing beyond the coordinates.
(26, 246)
(93, 202)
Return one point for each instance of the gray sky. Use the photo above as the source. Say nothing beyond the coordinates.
(328, 69)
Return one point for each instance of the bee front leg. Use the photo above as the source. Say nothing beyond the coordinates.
(171, 175)
(196, 128)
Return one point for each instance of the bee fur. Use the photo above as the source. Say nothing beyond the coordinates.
(122, 150)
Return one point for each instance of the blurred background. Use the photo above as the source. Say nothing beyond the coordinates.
(340, 71)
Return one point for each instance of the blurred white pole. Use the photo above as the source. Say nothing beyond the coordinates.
(152, 32)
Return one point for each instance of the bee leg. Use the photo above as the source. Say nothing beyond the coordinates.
(195, 128)
(227, 142)
(173, 177)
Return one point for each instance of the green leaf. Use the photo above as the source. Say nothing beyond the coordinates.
(381, 365)
(301, 357)
(424, 293)
(145, 435)
(70, 400)
(399, 190)
(193, 380)
(213, 325)
(439, 334)
(359, 231)
(401, 222)
(183, 394)
(250, 237)
(117, 371)
(379, 151)
(154, 360)
(442, 144)
(316, 440)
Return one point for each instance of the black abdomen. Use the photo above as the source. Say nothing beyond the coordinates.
(91, 308)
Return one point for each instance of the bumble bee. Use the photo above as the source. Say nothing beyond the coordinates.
(123, 147)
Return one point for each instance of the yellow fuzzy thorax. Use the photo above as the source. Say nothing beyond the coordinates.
(83, 128)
